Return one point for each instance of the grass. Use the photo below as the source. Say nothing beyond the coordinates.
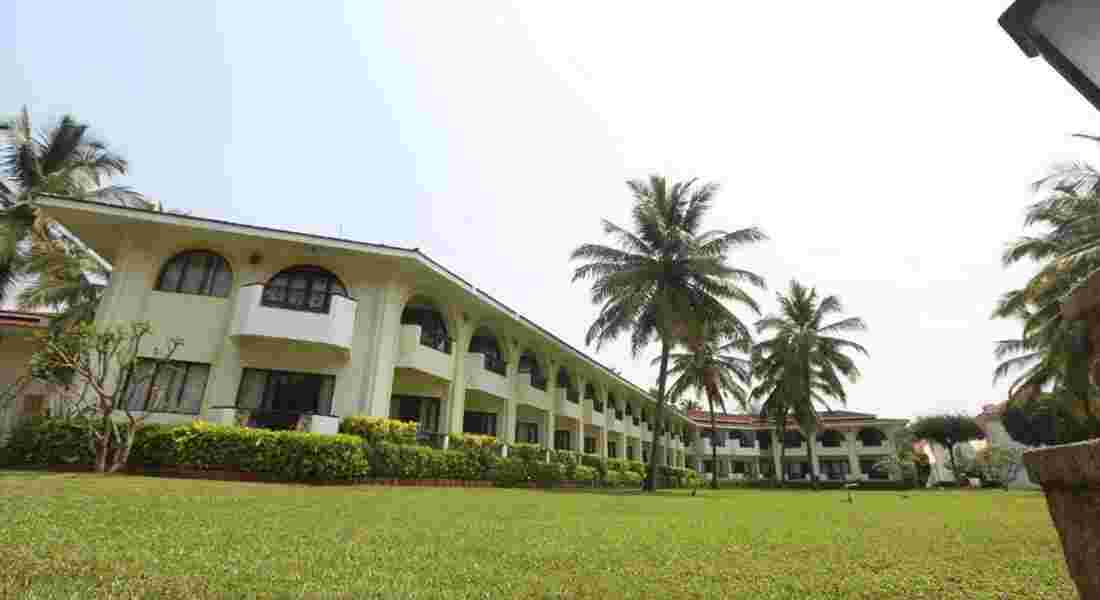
(83, 535)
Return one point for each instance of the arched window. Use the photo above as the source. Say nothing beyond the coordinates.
(422, 311)
(484, 342)
(199, 272)
(565, 381)
(830, 438)
(529, 364)
(303, 288)
(871, 436)
(793, 438)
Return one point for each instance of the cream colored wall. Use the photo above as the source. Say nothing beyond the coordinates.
(15, 351)
(366, 375)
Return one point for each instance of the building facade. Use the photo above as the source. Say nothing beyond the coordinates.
(284, 328)
(847, 445)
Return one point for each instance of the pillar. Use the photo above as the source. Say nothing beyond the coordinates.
(601, 443)
(457, 398)
(549, 426)
(775, 456)
(853, 458)
(577, 434)
(511, 367)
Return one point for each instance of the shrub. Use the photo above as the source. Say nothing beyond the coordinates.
(584, 473)
(527, 452)
(547, 474)
(50, 441)
(631, 479)
(375, 430)
(568, 460)
(472, 441)
(512, 472)
(614, 478)
(597, 463)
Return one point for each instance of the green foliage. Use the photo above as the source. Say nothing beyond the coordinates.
(375, 430)
(999, 465)
(596, 463)
(527, 452)
(679, 477)
(568, 461)
(1043, 421)
(404, 461)
(584, 473)
(946, 430)
(40, 441)
(473, 441)
(285, 455)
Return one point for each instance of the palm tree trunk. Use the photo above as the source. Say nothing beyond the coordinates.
(659, 417)
(782, 449)
(810, 448)
(713, 447)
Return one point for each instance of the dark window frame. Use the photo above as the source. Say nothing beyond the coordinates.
(311, 274)
(187, 365)
(488, 419)
(214, 264)
(265, 407)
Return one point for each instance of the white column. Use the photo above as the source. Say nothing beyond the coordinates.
(457, 396)
(853, 458)
(775, 456)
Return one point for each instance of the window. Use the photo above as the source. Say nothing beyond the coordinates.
(589, 445)
(835, 469)
(529, 364)
(196, 272)
(764, 438)
(563, 440)
(527, 433)
(871, 437)
(303, 288)
(479, 422)
(174, 386)
(611, 450)
(284, 391)
(433, 329)
(423, 410)
(629, 452)
(483, 342)
(792, 439)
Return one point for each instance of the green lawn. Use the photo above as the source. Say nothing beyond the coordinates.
(65, 535)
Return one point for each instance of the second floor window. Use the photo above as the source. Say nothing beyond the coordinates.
(196, 272)
(303, 288)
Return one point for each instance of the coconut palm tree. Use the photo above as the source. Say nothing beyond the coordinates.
(710, 369)
(62, 161)
(663, 273)
(804, 364)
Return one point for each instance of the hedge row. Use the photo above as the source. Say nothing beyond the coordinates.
(368, 447)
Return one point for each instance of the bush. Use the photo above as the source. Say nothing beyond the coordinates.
(402, 461)
(632, 479)
(40, 441)
(284, 455)
(584, 473)
(472, 441)
(568, 460)
(597, 463)
(375, 430)
(527, 452)
(678, 477)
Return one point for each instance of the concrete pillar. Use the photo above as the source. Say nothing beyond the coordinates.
(385, 331)
(776, 446)
(853, 458)
(457, 399)
(601, 443)
(550, 426)
(578, 436)
(510, 407)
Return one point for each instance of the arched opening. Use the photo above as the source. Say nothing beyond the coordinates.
(831, 438)
(484, 342)
(433, 327)
(613, 406)
(304, 287)
(529, 363)
(746, 438)
(198, 272)
(764, 439)
(871, 437)
(565, 381)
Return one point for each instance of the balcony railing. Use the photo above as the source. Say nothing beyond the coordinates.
(436, 339)
(496, 364)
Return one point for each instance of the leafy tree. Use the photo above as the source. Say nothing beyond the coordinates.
(111, 365)
(1052, 353)
(804, 363)
(999, 465)
(947, 431)
(710, 369)
(903, 462)
(664, 273)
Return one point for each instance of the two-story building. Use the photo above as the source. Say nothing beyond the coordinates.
(289, 328)
(846, 447)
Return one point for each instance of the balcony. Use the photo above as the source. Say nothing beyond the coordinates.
(703, 447)
(564, 405)
(647, 434)
(479, 376)
(333, 328)
(823, 450)
(421, 353)
(529, 394)
(630, 428)
(615, 421)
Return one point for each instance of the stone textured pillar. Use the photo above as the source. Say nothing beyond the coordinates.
(1070, 476)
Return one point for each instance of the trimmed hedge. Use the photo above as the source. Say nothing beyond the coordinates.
(399, 461)
(283, 455)
(375, 430)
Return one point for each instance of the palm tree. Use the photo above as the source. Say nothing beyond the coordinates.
(64, 161)
(709, 369)
(804, 363)
(665, 273)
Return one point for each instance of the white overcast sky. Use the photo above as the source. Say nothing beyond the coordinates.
(886, 147)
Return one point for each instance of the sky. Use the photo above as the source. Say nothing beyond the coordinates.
(885, 148)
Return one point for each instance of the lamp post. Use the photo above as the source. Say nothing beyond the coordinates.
(1064, 32)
